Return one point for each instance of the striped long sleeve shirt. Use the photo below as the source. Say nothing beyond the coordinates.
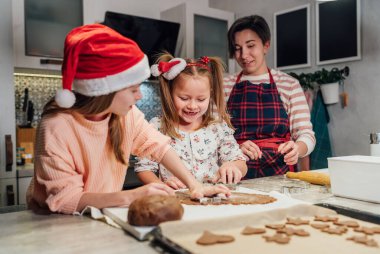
(293, 98)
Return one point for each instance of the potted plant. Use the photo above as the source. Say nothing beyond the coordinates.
(305, 79)
(329, 83)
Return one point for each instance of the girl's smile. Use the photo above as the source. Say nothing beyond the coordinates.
(191, 98)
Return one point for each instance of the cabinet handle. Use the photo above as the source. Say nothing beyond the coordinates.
(8, 152)
(10, 195)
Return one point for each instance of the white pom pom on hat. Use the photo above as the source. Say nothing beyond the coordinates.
(65, 98)
(98, 61)
(155, 70)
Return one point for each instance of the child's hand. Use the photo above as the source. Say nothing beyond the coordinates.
(228, 173)
(175, 183)
(251, 150)
(199, 191)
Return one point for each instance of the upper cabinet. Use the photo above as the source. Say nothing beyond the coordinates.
(39, 30)
(203, 31)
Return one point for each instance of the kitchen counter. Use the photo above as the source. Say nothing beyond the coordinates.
(314, 194)
(31, 233)
(26, 232)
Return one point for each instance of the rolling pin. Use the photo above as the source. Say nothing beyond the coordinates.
(310, 177)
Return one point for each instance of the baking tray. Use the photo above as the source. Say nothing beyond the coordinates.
(163, 244)
(353, 213)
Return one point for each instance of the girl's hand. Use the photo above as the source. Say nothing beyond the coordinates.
(199, 191)
(228, 173)
(291, 151)
(153, 189)
(251, 150)
(175, 183)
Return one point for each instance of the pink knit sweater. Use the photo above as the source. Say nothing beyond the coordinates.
(73, 156)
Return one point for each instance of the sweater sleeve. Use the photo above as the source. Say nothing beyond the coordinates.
(145, 164)
(299, 116)
(55, 172)
(147, 141)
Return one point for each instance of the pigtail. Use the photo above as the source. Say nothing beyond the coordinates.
(170, 117)
(217, 69)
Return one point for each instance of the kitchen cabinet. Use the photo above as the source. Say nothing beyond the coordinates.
(8, 188)
(20, 59)
(44, 32)
(202, 30)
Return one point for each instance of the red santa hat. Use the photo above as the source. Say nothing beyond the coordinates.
(98, 61)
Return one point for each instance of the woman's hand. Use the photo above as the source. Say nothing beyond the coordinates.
(228, 173)
(199, 190)
(291, 151)
(175, 183)
(251, 150)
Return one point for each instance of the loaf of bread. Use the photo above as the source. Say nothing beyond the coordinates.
(152, 210)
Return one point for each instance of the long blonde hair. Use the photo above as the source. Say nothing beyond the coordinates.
(86, 105)
(214, 72)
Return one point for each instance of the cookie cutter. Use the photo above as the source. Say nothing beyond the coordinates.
(212, 200)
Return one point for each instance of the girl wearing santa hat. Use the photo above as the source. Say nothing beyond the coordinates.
(88, 131)
(191, 91)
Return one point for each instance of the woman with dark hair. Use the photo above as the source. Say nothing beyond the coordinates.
(268, 107)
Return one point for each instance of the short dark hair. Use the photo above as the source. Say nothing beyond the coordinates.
(255, 23)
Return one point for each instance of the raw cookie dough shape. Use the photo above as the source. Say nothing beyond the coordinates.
(252, 231)
(296, 221)
(209, 238)
(277, 238)
(325, 218)
(320, 225)
(347, 223)
(293, 231)
(364, 240)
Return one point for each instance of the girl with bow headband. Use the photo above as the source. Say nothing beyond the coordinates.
(194, 117)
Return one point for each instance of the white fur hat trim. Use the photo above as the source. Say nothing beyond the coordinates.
(176, 69)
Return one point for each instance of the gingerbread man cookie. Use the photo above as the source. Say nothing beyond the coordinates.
(296, 221)
(292, 231)
(347, 223)
(325, 218)
(209, 238)
(335, 231)
(368, 230)
(252, 231)
(275, 226)
(364, 240)
(320, 225)
(277, 238)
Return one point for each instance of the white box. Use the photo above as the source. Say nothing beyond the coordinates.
(356, 177)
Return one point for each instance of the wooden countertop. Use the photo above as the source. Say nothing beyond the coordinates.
(31, 233)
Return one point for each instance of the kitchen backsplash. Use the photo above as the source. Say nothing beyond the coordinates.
(42, 85)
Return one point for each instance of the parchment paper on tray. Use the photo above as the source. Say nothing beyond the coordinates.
(185, 233)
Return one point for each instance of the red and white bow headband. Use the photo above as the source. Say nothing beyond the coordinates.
(170, 70)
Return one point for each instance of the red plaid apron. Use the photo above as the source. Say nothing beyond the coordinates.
(258, 114)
